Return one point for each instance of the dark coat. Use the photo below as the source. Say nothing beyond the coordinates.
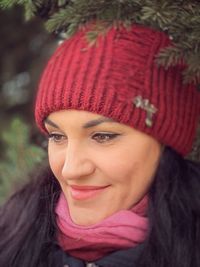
(122, 258)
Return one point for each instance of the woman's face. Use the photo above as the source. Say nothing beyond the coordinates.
(102, 166)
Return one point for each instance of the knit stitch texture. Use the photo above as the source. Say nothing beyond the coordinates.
(106, 77)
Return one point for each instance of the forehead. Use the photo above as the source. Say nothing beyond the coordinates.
(85, 118)
(73, 112)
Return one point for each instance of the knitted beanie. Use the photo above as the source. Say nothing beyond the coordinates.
(118, 77)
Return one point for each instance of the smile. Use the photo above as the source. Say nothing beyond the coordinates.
(85, 192)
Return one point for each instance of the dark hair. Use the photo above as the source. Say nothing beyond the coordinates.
(27, 223)
(174, 212)
(27, 219)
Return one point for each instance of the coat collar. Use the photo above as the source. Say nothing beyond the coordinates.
(122, 258)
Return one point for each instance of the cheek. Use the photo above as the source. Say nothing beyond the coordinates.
(118, 166)
(55, 161)
(131, 166)
(125, 172)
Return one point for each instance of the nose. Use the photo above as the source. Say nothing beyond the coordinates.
(77, 163)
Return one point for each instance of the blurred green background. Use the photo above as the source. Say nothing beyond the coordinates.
(24, 49)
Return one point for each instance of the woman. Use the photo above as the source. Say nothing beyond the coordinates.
(118, 191)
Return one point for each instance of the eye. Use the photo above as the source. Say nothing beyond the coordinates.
(104, 137)
(56, 137)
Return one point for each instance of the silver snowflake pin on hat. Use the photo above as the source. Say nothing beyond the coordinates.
(150, 109)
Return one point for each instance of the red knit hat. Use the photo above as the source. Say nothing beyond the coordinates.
(118, 78)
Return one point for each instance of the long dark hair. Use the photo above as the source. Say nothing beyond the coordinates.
(174, 212)
(27, 223)
(27, 219)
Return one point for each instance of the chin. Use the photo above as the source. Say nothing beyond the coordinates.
(85, 221)
(87, 217)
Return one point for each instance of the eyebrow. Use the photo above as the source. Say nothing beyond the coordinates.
(86, 125)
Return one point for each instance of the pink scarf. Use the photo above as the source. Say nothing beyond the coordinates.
(124, 229)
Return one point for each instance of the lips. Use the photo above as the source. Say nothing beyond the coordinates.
(85, 192)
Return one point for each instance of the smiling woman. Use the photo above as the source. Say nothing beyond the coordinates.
(118, 190)
(87, 159)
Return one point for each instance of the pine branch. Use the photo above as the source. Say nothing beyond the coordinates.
(170, 56)
(19, 158)
(192, 73)
(31, 8)
(58, 22)
(160, 15)
(180, 19)
(4, 4)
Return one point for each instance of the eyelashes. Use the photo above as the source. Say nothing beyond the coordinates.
(56, 137)
(102, 137)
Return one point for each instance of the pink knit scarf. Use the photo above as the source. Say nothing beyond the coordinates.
(124, 229)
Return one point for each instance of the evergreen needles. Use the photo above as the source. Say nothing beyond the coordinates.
(20, 157)
(180, 19)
